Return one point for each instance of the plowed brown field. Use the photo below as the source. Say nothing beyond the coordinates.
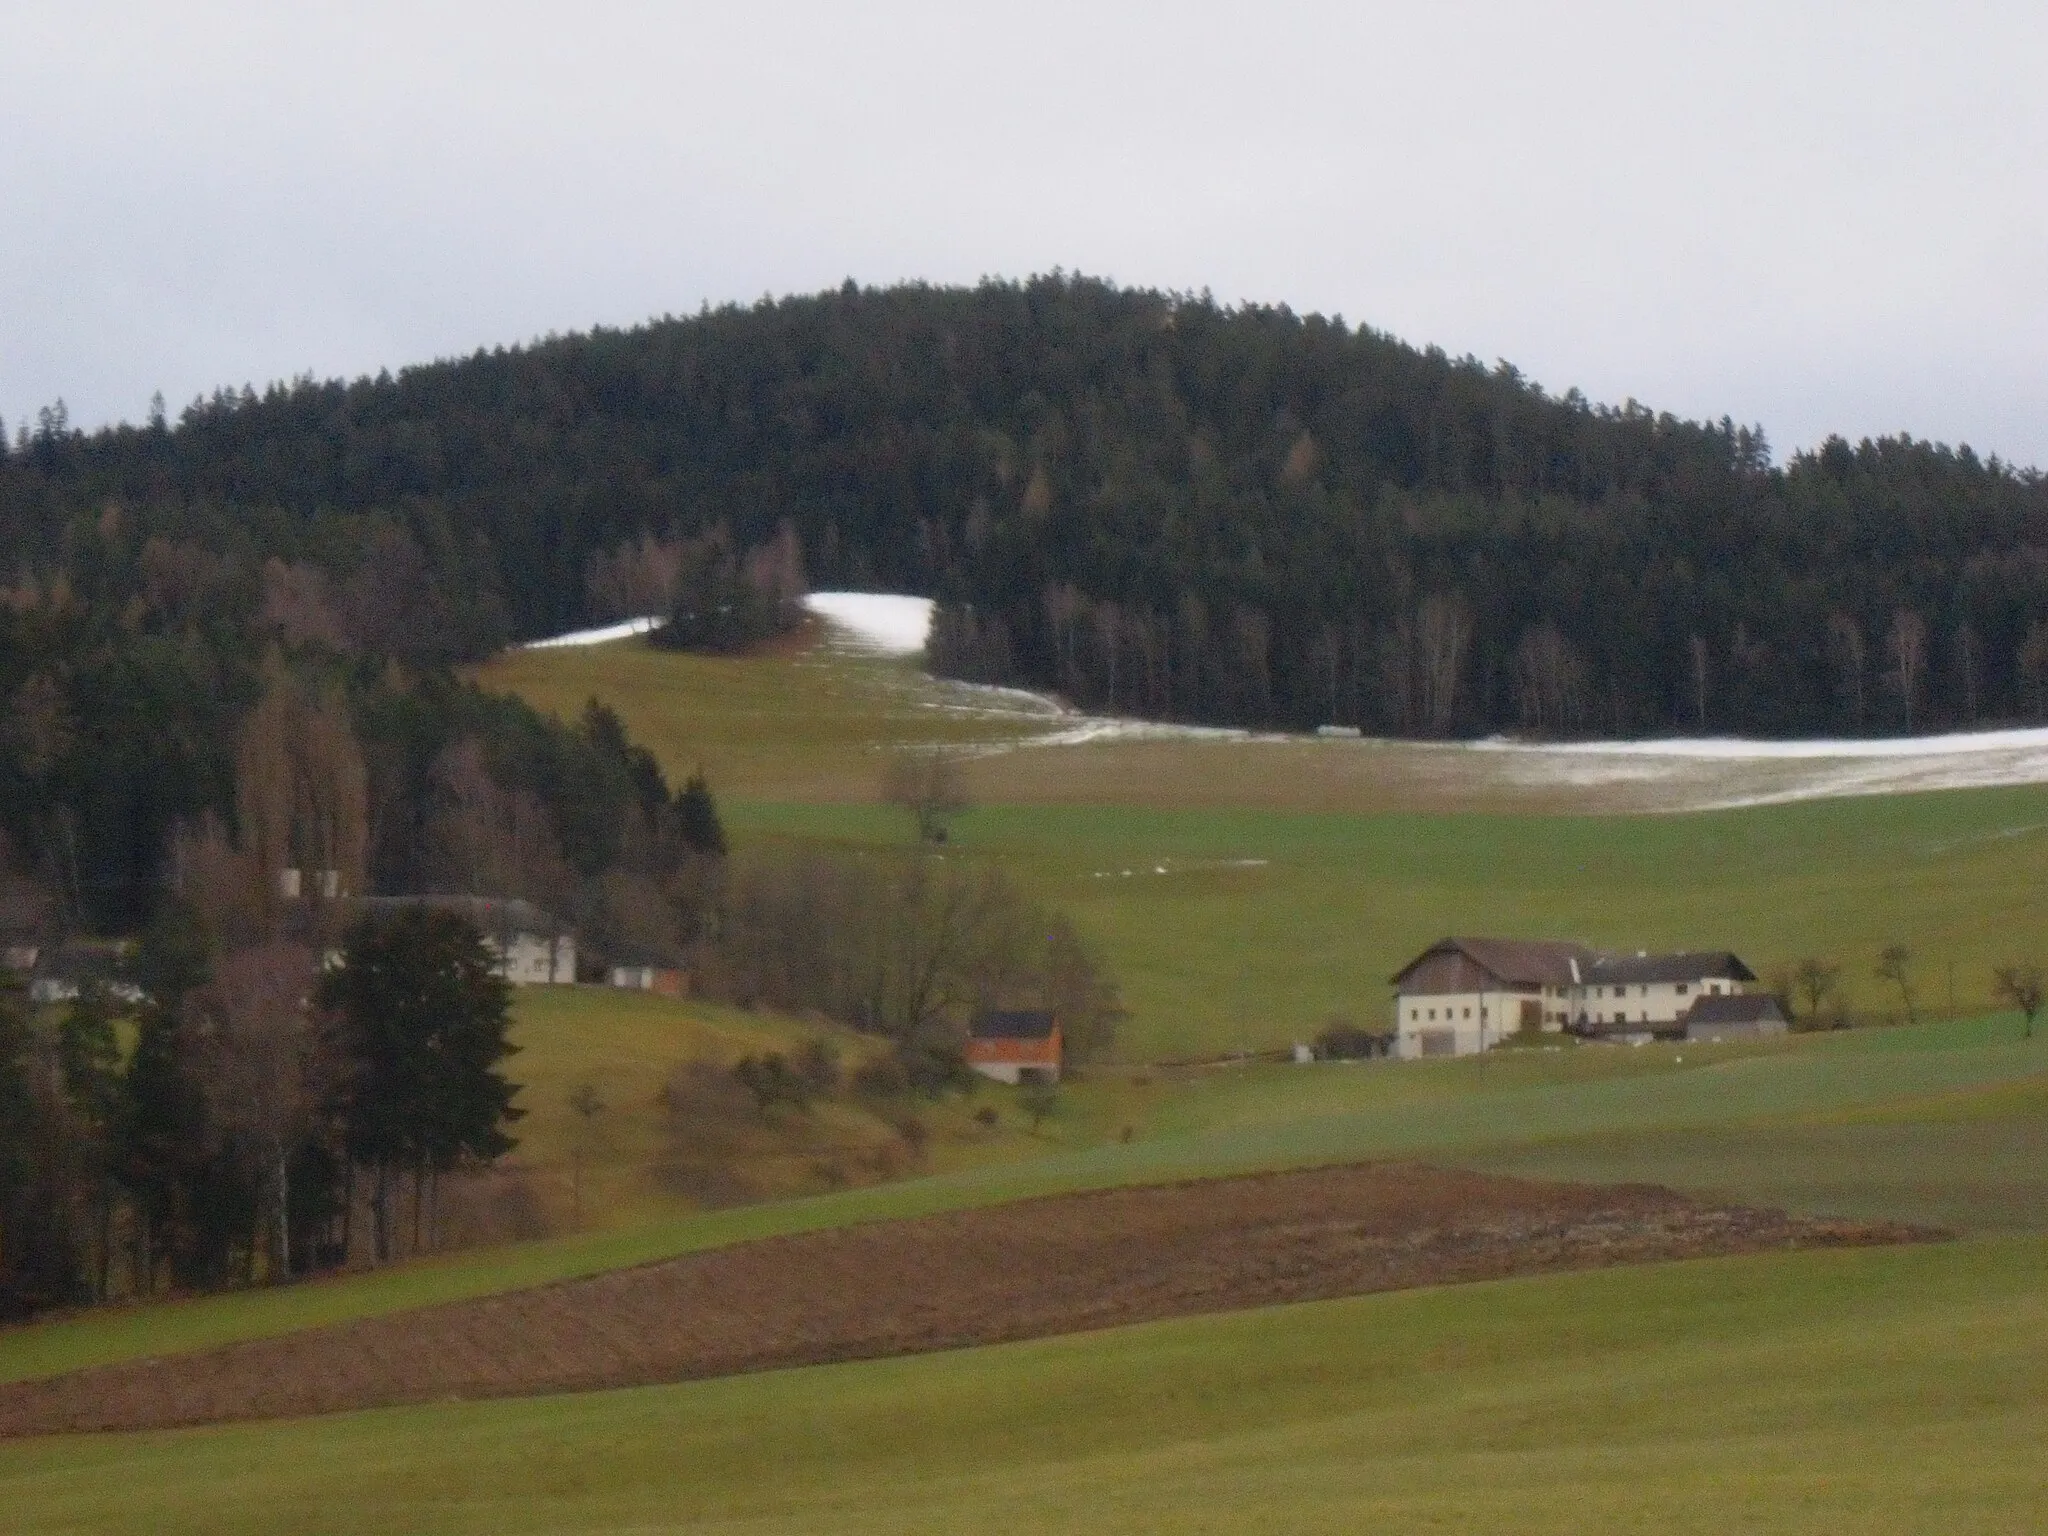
(1054, 1265)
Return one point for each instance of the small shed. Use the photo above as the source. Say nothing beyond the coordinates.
(663, 980)
(1735, 1016)
(1011, 1045)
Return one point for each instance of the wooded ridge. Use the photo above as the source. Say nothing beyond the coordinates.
(1147, 501)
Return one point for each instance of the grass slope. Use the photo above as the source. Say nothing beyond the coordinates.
(1234, 929)
(1245, 891)
(626, 1045)
(1941, 1124)
(1878, 1391)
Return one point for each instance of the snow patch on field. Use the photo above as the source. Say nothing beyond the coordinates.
(879, 623)
(1727, 772)
(1739, 749)
(604, 634)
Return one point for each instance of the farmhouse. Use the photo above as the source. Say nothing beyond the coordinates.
(531, 948)
(1462, 995)
(1010, 1046)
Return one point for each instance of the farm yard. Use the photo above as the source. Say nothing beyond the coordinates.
(1051, 1325)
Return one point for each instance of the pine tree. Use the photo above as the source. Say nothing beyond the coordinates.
(697, 818)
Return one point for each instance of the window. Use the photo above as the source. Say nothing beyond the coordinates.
(1681, 989)
(1468, 1013)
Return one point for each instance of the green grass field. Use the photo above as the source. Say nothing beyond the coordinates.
(1878, 1391)
(1874, 1390)
(1245, 926)
(1943, 1124)
(1244, 929)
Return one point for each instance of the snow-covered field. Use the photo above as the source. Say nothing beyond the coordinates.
(1669, 773)
(1731, 771)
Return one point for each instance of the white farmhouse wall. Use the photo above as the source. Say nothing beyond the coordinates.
(532, 959)
(1651, 1003)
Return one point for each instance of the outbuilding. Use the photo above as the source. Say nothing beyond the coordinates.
(1737, 1016)
(1011, 1045)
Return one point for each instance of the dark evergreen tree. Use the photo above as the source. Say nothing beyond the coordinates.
(697, 818)
(422, 1015)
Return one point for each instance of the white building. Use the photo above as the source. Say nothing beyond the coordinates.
(531, 948)
(1464, 995)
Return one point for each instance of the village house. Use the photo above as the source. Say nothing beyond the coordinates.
(530, 947)
(1011, 1046)
(1463, 995)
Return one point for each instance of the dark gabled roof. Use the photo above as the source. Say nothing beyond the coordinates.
(1523, 962)
(1694, 965)
(490, 914)
(1734, 1008)
(1012, 1024)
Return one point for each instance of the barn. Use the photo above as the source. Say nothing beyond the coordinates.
(1014, 1044)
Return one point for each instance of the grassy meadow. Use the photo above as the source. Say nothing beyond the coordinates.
(1243, 892)
(1236, 925)
(1945, 1124)
(1883, 1391)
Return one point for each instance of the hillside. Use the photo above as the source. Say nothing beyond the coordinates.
(1245, 890)
(1892, 1387)
(1146, 501)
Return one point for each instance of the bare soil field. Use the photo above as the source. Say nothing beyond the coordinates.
(1057, 1265)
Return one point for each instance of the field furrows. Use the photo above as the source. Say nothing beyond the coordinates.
(1038, 1267)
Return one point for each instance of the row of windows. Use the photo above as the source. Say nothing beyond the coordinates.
(1415, 1014)
(1683, 989)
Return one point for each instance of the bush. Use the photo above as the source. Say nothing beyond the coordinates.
(817, 1064)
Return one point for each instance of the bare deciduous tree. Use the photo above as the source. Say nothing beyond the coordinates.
(1895, 965)
(1549, 681)
(634, 580)
(489, 841)
(302, 792)
(2032, 665)
(1845, 646)
(928, 783)
(1443, 630)
(1815, 981)
(1905, 643)
(297, 607)
(1967, 655)
(2023, 987)
(263, 1066)
(1697, 650)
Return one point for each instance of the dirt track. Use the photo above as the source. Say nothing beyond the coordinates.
(1038, 1267)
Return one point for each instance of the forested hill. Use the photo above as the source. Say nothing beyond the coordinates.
(1148, 502)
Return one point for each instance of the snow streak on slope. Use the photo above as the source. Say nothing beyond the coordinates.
(879, 623)
(624, 630)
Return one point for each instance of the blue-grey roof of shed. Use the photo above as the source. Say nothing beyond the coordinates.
(1734, 1008)
(1012, 1024)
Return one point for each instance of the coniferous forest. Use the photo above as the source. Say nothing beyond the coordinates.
(1148, 502)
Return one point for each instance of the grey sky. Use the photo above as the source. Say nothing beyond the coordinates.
(1822, 217)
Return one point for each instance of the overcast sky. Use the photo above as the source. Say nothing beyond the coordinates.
(1819, 217)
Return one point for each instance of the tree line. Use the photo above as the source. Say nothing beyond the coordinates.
(1148, 501)
(265, 1101)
